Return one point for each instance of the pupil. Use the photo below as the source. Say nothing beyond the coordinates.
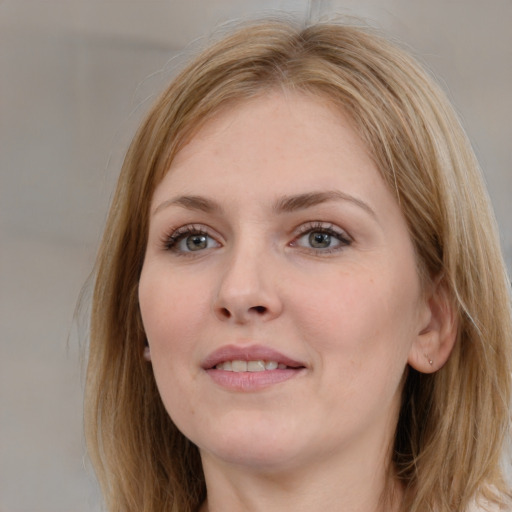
(196, 242)
(320, 240)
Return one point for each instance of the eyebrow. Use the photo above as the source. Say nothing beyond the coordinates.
(198, 203)
(286, 204)
(302, 201)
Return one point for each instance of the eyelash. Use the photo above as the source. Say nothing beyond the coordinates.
(171, 241)
(329, 229)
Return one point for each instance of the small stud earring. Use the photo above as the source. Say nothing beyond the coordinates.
(430, 362)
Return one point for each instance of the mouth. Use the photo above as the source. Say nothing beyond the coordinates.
(259, 365)
(254, 358)
(250, 368)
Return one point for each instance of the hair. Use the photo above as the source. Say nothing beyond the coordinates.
(454, 423)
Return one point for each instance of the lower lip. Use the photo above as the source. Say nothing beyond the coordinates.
(251, 381)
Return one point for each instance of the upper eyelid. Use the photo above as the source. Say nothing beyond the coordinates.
(189, 228)
(322, 225)
(192, 227)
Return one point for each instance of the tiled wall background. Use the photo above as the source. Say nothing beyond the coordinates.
(75, 76)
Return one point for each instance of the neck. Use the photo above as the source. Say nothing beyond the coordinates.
(325, 486)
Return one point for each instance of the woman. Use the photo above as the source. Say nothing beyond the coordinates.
(300, 302)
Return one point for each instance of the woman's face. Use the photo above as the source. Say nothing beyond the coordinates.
(279, 291)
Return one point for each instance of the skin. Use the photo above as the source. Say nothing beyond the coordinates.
(352, 311)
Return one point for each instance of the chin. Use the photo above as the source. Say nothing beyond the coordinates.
(254, 456)
(250, 444)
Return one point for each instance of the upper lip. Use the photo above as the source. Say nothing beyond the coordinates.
(248, 353)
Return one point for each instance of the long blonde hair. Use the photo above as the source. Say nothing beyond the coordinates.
(454, 423)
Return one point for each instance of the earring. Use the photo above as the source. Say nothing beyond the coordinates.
(147, 353)
(430, 362)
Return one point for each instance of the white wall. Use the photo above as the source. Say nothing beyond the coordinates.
(73, 83)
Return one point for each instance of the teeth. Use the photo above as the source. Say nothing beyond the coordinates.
(250, 366)
(256, 366)
(239, 366)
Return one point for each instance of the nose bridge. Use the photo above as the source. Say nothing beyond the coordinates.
(247, 288)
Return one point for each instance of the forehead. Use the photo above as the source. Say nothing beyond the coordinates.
(300, 113)
(293, 136)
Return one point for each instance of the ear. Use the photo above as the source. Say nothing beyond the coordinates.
(147, 353)
(437, 330)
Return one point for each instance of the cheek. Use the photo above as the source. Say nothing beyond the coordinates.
(170, 312)
(365, 321)
(172, 307)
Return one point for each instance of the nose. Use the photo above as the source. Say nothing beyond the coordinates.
(248, 290)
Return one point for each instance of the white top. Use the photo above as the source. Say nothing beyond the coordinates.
(484, 506)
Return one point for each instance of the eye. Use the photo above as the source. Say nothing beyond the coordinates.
(189, 239)
(321, 237)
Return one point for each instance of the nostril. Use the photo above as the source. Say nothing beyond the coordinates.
(241, 315)
(225, 313)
